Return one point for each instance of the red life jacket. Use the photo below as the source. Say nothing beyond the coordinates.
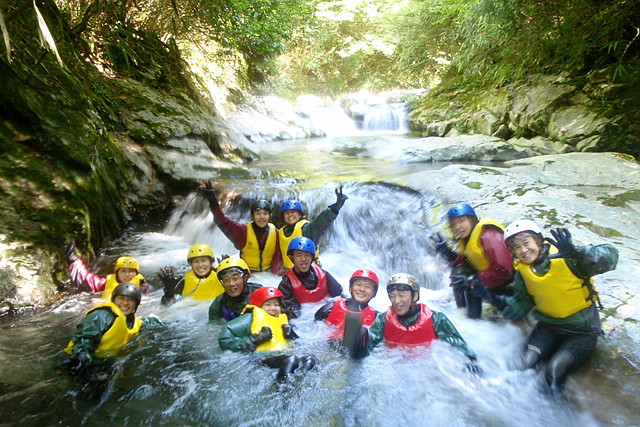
(420, 333)
(339, 312)
(304, 295)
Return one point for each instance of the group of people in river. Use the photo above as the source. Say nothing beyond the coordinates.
(515, 269)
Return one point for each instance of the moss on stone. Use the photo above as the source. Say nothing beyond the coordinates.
(483, 170)
(474, 185)
(620, 200)
(602, 231)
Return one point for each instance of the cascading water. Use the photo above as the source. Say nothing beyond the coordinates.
(179, 376)
(385, 117)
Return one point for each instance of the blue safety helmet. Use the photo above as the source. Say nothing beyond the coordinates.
(461, 209)
(302, 244)
(291, 205)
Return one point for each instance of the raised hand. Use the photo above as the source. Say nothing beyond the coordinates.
(209, 193)
(340, 199)
(566, 248)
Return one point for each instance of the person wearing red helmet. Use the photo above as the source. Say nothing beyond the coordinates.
(263, 327)
(256, 240)
(306, 282)
(363, 286)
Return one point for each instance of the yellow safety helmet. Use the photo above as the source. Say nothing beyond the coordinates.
(126, 262)
(201, 249)
(227, 264)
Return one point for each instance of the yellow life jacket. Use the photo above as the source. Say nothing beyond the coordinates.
(256, 259)
(116, 336)
(202, 289)
(284, 243)
(112, 283)
(472, 249)
(262, 318)
(559, 293)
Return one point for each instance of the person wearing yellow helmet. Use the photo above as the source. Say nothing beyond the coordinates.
(234, 274)
(200, 282)
(126, 270)
(257, 240)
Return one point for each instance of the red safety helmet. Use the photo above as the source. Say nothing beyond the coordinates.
(260, 295)
(365, 274)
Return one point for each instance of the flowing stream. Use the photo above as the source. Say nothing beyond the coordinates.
(179, 376)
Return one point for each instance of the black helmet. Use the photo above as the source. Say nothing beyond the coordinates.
(260, 204)
(128, 290)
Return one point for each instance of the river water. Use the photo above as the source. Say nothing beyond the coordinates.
(179, 376)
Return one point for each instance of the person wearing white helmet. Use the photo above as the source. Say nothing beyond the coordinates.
(408, 323)
(554, 279)
(481, 256)
(257, 240)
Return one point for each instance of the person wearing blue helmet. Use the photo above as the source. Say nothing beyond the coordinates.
(481, 256)
(296, 226)
(305, 282)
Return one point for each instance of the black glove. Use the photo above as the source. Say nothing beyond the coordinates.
(566, 248)
(169, 280)
(340, 199)
(221, 258)
(462, 282)
(480, 290)
(441, 247)
(263, 336)
(209, 193)
(70, 253)
(473, 367)
(79, 363)
(288, 332)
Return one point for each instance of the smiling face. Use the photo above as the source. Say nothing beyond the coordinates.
(301, 261)
(126, 304)
(261, 217)
(526, 247)
(272, 306)
(125, 275)
(362, 290)
(233, 284)
(291, 216)
(201, 265)
(462, 226)
(402, 301)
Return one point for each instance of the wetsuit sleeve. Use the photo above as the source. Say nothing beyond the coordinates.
(170, 299)
(593, 259)
(335, 288)
(446, 331)
(236, 333)
(376, 331)
(324, 311)
(215, 309)
(90, 331)
(291, 305)
(234, 230)
(316, 228)
(500, 263)
(520, 304)
(82, 277)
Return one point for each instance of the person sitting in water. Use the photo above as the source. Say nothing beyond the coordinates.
(481, 256)
(553, 279)
(409, 323)
(296, 226)
(234, 274)
(256, 240)
(306, 282)
(200, 282)
(107, 328)
(126, 270)
(263, 327)
(363, 286)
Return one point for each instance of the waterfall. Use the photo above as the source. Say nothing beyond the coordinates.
(385, 117)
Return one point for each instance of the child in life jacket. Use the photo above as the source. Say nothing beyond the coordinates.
(481, 256)
(126, 270)
(256, 240)
(200, 282)
(305, 282)
(363, 287)
(554, 279)
(107, 328)
(296, 226)
(263, 327)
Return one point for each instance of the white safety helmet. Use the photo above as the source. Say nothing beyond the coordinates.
(521, 226)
